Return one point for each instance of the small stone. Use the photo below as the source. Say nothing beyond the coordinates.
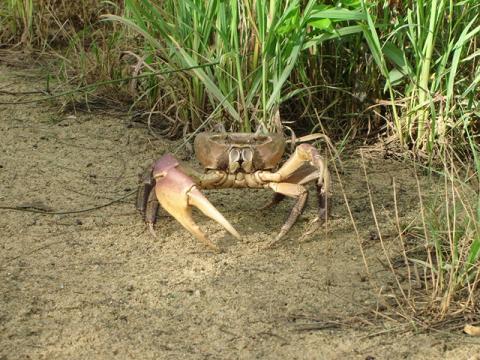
(78, 222)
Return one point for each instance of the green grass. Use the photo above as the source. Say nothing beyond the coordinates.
(276, 62)
(450, 236)
(17, 20)
(428, 56)
(257, 45)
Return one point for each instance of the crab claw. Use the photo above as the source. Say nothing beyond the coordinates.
(177, 192)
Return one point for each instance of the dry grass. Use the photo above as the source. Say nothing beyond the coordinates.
(47, 23)
(434, 259)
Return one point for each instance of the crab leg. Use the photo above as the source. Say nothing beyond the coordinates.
(323, 203)
(177, 192)
(147, 182)
(146, 201)
(151, 210)
(304, 153)
(295, 191)
(301, 176)
(304, 166)
(276, 199)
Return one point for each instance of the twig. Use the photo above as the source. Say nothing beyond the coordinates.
(108, 82)
(64, 212)
(377, 333)
(14, 93)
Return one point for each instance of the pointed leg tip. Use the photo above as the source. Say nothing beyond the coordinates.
(272, 243)
(151, 230)
(215, 248)
(266, 206)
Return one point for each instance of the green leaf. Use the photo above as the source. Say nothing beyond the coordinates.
(207, 82)
(290, 21)
(319, 12)
(394, 54)
(394, 76)
(322, 24)
(474, 252)
(354, 4)
(337, 33)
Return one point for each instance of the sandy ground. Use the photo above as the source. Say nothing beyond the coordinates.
(97, 285)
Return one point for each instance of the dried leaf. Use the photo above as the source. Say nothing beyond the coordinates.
(472, 330)
(309, 137)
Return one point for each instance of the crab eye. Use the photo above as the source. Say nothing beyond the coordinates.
(234, 155)
(247, 154)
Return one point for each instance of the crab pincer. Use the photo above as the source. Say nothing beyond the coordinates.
(177, 193)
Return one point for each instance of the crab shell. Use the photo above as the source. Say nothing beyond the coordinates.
(228, 151)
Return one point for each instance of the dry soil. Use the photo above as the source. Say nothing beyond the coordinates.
(95, 284)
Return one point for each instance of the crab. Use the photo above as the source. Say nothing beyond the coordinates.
(232, 160)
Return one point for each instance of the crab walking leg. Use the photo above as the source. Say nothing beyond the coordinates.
(306, 154)
(322, 186)
(147, 182)
(276, 199)
(151, 210)
(301, 176)
(295, 191)
(324, 204)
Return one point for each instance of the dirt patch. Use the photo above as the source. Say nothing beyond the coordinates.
(96, 284)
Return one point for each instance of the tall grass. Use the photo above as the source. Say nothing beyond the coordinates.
(47, 24)
(449, 234)
(17, 20)
(428, 54)
(254, 47)
(268, 55)
(435, 259)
